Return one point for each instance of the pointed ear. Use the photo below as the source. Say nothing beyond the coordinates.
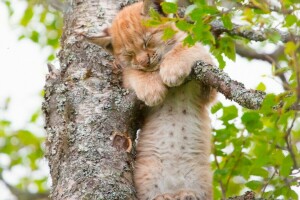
(154, 4)
(103, 40)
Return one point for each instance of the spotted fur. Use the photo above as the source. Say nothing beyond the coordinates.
(174, 144)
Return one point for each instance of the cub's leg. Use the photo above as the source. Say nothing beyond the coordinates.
(147, 178)
(177, 63)
(191, 195)
(165, 197)
(148, 86)
(198, 184)
(186, 195)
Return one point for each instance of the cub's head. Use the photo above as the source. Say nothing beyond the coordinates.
(132, 43)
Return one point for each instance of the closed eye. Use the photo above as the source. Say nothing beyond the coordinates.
(147, 41)
(128, 53)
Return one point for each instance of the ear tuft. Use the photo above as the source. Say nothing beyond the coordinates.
(155, 4)
(157, 7)
(103, 39)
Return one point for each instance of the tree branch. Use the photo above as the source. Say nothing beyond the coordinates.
(270, 7)
(249, 195)
(57, 5)
(24, 195)
(231, 89)
(256, 35)
(217, 27)
(247, 52)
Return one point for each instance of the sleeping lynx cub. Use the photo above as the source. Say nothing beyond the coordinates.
(174, 144)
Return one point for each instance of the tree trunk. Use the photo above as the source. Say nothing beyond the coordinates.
(89, 118)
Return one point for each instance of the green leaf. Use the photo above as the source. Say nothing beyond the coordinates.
(216, 107)
(251, 120)
(290, 20)
(35, 36)
(51, 57)
(290, 48)
(268, 103)
(168, 33)
(227, 45)
(277, 157)
(169, 7)
(189, 40)
(152, 23)
(226, 19)
(28, 14)
(221, 60)
(256, 171)
(196, 14)
(21, 37)
(254, 185)
(261, 86)
(289, 101)
(27, 138)
(183, 25)
(286, 166)
(229, 113)
(212, 10)
(201, 32)
(200, 3)
(274, 37)
(220, 173)
(154, 15)
(222, 134)
(4, 123)
(217, 52)
(35, 116)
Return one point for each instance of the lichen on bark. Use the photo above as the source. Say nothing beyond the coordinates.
(84, 106)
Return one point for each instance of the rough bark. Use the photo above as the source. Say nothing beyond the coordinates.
(255, 35)
(90, 119)
(249, 195)
(233, 90)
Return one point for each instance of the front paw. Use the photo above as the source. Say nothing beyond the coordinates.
(164, 197)
(189, 195)
(174, 71)
(152, 94)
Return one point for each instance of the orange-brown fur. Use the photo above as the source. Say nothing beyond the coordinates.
(174, 144)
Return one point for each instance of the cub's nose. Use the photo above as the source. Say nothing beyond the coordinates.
(143, 59)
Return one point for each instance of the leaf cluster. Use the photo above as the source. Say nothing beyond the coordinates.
(21, 151)
(38, 23)
(253, 150)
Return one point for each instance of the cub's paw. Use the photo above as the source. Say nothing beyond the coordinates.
(187, 195)
(174, 71)
(164, 197)
(152, 94)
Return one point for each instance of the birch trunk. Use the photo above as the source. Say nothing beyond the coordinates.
(89, 118)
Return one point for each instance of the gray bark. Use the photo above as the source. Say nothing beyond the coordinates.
(255, 35)
(231, 89)
(90, 119)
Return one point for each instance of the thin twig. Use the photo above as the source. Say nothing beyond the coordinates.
(272, 58)
(288, 142)
(220, 181)
(268, 182)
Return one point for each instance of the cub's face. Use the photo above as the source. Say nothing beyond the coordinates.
(132, 43)
(141, 51)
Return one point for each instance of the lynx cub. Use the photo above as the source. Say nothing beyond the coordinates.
(174, 145)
